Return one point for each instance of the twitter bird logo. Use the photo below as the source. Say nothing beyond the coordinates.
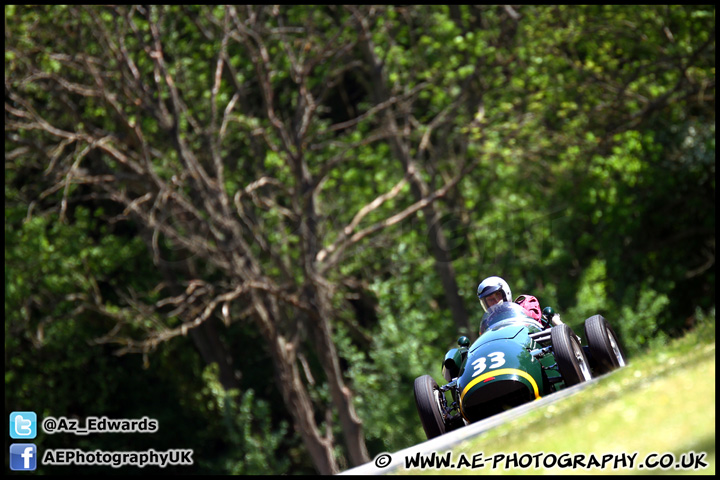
(23, 425)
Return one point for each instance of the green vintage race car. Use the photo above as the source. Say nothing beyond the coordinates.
(515, 360)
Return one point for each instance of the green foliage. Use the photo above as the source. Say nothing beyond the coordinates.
(407, 344)
(639, 325)
(591, 298)
(251, 444)
(636, 319)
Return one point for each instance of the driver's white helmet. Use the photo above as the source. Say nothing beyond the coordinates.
(491, 285)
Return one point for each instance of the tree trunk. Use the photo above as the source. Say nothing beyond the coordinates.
(340, 393)
(320, 326)
(295, 395)
(205, 337)
(213, 350)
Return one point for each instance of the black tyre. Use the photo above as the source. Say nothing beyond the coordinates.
(427, 400)
(603, 345)
(572, 362)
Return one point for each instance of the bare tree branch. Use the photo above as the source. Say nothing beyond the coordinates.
(336, 251)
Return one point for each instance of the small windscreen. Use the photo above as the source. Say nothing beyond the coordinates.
(501, 312)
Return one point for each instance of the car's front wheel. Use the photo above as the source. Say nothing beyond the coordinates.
(571, 360)
(427, 400)
(603, 345)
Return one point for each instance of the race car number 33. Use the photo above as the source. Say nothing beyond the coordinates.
(497, 359)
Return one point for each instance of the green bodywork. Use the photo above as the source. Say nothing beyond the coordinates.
(504, 367)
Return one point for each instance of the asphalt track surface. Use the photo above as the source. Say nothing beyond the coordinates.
(450, 439)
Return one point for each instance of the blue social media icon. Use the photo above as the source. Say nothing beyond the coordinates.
(23, 456)
(23, 425)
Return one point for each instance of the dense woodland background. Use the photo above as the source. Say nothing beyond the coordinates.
(258, 224)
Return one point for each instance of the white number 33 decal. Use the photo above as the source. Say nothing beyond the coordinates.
(497, 359)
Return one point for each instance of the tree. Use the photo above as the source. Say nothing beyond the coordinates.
(219, 163)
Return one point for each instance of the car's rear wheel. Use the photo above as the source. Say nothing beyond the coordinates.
(603, 345)
(571, 360)
(427, 400)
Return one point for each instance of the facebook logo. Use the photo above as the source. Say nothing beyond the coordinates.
(23, 456)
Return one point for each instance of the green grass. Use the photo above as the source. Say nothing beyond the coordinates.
(662, 402)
